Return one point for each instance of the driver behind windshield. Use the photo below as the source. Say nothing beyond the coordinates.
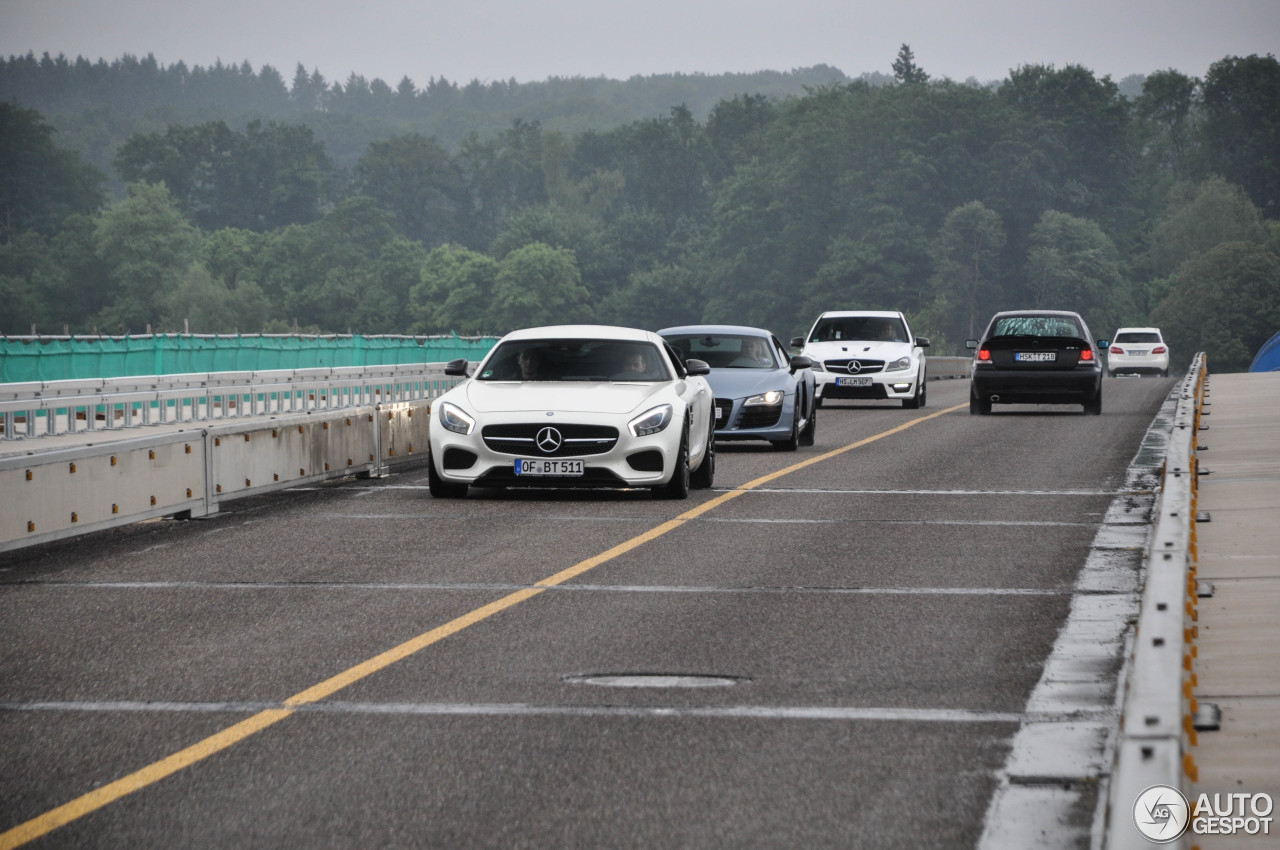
(633, 365)
(530, 363)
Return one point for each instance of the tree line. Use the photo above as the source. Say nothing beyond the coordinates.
(96, 105)
(946, 200)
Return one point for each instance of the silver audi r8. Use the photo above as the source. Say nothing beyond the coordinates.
(762, 392)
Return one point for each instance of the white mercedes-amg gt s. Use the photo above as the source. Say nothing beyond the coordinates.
(575, 406)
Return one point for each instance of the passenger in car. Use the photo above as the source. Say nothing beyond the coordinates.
(756, 351)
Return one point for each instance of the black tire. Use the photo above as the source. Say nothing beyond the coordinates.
(704, 477)
(817, 402)
(1094, 405)
(1165, 373)
(978, 406)
(678, 486)
(440, 488)
(807, 435)
(917, 400)
(793, 442)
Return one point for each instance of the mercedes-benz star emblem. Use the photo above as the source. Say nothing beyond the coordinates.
(855, 367)
(548, 440)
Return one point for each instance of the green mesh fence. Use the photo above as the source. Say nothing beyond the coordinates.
(62, 358)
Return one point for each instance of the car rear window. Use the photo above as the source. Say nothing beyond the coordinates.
(1055, 326)
(1138, 337)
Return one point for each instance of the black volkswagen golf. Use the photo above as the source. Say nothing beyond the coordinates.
(1036, 357)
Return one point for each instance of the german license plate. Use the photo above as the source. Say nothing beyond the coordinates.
(1035, 356)
(853, 382)
(546, 466)
(1137, 352)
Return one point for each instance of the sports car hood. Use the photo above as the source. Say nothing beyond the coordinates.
(870, 349)
(569, 397)
(740, 383)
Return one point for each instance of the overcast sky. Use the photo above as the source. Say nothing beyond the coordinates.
(530, 40)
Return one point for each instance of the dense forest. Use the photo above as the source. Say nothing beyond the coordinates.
(135, 197)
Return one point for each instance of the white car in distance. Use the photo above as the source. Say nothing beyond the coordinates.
(1138, 351)
(575, 406)
(866, 354)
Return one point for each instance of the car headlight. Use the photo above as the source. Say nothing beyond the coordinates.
(453, 419)
(816, 366)
(651, 421)
(769, 398)
(898, 365)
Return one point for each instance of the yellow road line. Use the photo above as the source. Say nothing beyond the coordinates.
(152, 773)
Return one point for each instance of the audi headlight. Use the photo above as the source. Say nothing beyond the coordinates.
(772, 397)
(651, 421)
(898, 365)
(453, 419)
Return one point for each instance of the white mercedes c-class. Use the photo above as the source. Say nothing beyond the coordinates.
(866, 354)
(575, 406)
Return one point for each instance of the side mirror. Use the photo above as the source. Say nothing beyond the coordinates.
(697, 367)
(971, 344)
(922, 341)
(456, 368)
(800, 362)
(797, 342)
(1104, 343)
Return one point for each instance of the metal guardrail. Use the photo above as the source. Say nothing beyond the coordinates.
(46, 408)
(948, 367)
(1157, 730)
(213, 438)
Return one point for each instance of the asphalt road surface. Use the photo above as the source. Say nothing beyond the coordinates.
(832, 648)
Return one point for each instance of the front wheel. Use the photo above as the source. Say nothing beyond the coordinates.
(704, 477)
(791, 443)
(916, 401)
(440, 488)
(810, 427)
(678, 486)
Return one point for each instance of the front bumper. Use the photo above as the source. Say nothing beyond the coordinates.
(647, 461)
(735, 421)
(883, 385)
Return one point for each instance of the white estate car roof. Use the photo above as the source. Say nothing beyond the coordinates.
(885, 313)
(585, 332)
(1137, 330)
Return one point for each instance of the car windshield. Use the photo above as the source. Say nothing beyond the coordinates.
(1144, 336)
(727, 351)
(861, 328)
(1050, 326)
(574, 360)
